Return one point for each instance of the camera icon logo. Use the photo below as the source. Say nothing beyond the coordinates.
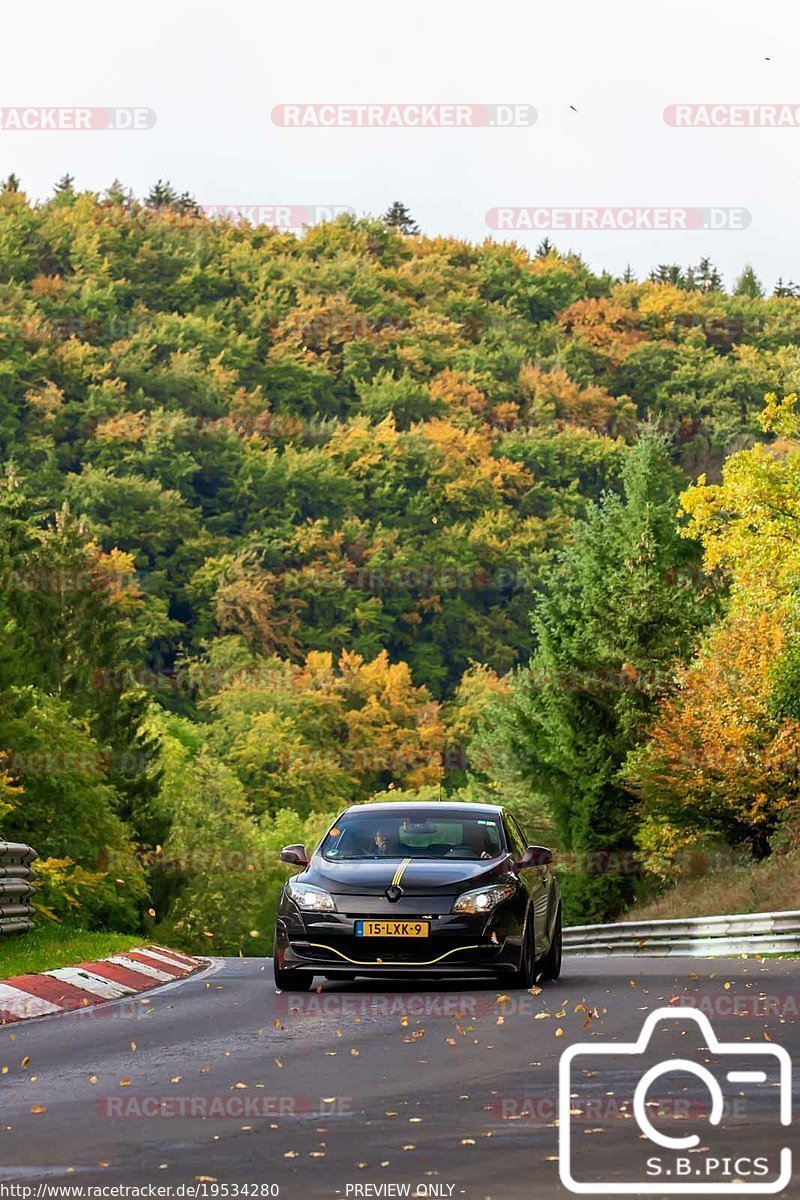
(661, 1162)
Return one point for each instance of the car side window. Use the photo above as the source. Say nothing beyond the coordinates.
(516, 838)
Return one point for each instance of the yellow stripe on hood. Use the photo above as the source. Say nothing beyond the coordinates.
(398, 875)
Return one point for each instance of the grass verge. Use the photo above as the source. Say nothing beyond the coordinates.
(52, 946)
(769, 886)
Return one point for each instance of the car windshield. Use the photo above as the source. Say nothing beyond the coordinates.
(413, 835)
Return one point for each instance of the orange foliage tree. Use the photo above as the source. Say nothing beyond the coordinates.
(719, 761)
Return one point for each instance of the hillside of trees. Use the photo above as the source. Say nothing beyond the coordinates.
(288, 521)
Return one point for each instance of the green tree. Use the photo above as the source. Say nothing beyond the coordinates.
(707, 277)
(398, 217)
(163, 195)
(620, 607)
(64, 186)
(748, 284)
(668, 273)
(789, 289)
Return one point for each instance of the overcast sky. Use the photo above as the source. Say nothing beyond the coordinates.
(214, 71)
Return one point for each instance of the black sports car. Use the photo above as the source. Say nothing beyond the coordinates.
(436, 889)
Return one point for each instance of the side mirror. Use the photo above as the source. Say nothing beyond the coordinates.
(535, 856)
(296, 855)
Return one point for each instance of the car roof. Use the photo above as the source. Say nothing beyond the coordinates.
(430, 806)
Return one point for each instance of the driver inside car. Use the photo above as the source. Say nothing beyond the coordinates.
(386, 843)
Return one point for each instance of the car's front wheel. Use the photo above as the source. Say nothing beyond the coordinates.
(292, 981)
(289, 981)
(550, 965)
(525, 977)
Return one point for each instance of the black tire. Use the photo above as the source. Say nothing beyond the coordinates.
(525, 977)
(550, 965)
(292, 981)
(289, 981)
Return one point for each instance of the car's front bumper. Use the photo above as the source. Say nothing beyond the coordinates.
(458, 945)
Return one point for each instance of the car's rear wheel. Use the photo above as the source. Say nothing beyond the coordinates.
(550, 964)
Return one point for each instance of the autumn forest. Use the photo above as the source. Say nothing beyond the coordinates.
(313, 517)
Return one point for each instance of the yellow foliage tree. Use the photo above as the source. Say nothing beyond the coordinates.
(723, 756)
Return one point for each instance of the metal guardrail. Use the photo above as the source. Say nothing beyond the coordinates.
(701, 937)
(16, 887)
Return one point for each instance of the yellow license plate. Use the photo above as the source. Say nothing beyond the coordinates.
(392, 928)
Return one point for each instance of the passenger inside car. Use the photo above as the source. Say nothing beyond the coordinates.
(474, 844)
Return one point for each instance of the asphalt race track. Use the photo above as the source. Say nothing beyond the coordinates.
(451, 1091)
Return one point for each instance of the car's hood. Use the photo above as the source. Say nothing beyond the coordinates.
(418, 877)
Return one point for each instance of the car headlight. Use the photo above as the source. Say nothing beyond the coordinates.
(312, 899)
(483, 899)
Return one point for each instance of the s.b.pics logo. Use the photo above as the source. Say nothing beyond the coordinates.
(697, 1125)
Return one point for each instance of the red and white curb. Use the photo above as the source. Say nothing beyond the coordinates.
(69, 988)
